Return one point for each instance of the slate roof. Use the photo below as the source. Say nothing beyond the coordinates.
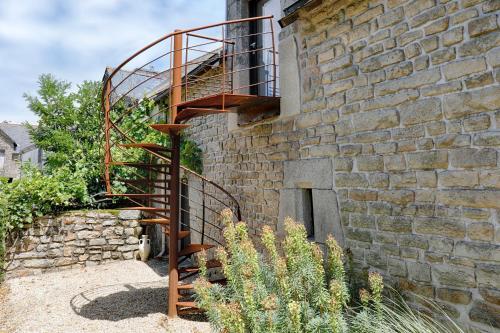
(18, 133)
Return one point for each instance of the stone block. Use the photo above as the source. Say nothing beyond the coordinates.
(479, 45)
(490, 178)
(370, 163)
(480, 231)
(470, 198)
(312, 173)
(486, 314)
(478, 251)
(399, 224)
(490, 295)
(395, 162)
(426, 179)
(390, 18)
(416, 80)
(351, 180)
(420, 111)
(455, 296)
(477, 122)
(482, 25)
(358, 235)
(375, 63)
(473, 158)
(428, 15)
(439, 226)
(373, 120)
(487, 139)
(419, 271)
(454, 276)
(403, 180)
(457, 178)
(400, 197)
(453, 36)
(443, 56)
(461, 68)
(428, 160)
(479, 80)
(307, 120)
(129, 214)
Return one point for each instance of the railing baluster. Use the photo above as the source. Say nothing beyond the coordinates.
(203, 210)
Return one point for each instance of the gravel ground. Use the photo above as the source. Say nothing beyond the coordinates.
(127, 296)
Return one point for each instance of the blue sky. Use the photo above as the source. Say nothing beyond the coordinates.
(76, 39)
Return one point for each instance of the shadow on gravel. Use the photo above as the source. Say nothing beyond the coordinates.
(130, 302)
(124, 301)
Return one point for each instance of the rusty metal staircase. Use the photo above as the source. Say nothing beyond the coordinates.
(145, 168)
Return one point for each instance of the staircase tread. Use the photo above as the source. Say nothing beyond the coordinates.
(146, 145)
(137, 195)
(169, 128)
(189, 286)
(140, 164)
(189, 113)
(145, 208)
(187, 304)
(155, 221)
(194, 248)
(182, 233)
(213, 263)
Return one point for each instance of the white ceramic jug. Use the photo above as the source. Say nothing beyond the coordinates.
(144, 247)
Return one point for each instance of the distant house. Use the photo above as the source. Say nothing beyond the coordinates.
(17, 148)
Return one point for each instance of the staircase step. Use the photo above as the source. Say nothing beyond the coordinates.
(213, 263)
(194, 248)
(140, 165)
(137, 195)
(144, 181)
(182, 233)
(155, 221)
(190, 286)
(144, 145)
(146, 209)
(187, 305)
(170, 128)
(189, 113)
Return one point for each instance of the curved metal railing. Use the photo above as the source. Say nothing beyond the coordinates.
(233, 57)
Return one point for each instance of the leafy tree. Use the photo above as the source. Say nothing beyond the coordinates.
(70, 127)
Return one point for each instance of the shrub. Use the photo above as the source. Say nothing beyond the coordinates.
(35, 195)
(294, 292)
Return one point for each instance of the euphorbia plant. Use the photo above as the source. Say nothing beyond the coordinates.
(293, 292)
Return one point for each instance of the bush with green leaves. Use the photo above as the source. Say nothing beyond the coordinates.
(296, 291)
(37, 194)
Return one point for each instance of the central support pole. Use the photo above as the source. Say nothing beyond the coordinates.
(173, 277)
(173, 247)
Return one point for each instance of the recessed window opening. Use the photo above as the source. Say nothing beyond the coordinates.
(308, 217)
(2, 158)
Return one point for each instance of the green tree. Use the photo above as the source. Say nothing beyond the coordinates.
(70, 127)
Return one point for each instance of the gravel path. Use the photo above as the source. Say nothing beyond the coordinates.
(127, 296)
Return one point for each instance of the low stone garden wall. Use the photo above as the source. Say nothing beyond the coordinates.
(74, 239)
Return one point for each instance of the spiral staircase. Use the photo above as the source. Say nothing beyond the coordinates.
(184, 75)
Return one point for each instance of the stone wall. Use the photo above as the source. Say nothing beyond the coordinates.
(74, 239)
(400, 120)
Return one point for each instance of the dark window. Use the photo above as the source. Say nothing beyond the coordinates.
(308, 212)
(263, 74)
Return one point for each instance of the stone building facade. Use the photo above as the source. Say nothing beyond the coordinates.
(388, 137)
(9, 158)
